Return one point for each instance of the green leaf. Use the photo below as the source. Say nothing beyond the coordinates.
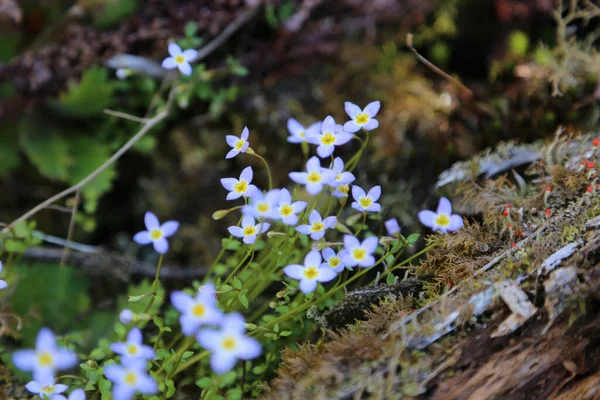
(237, 283)
(170, 388)
(244, 300)
(390, 280)
(412, 239)
(204, 382)
(190, 29)
(46, 149)
(88, 98)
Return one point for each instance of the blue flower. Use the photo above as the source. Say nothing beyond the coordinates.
(197, 311)
(317, 226)
(312, 272)
(366, 202)
(333, 260)
(133, 347)
(443, 219)
(180, 59)
(126, 316)
(361, 119)
(156, 233)
(298, 133)
(229, 343)
(238, 145)
(287, 210)
(392, 226)
(357, 253)
(314, 178)
(249, 229)
(263, 205)
(240, 187)
(46, 359)
(130, 378)
(329, 137)
(45, 387)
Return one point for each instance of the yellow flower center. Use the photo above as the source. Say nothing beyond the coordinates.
(317, 226)
(328, 138)
(314, 177)
(302, 135)
(361, 118)
(180, 59)
(241, 186)
(286, 210)
(442, 220)
(229, 343)
(249, 231)
(130, 378)
(334, 262)
(338, 177)
(344, 189)
(311, 272)
(45, 359)
(262, 207)
(239, 144)
(198, 310)
(132, 349)
(365, 202)
(156, 234)
(47, 389)
(359, 254)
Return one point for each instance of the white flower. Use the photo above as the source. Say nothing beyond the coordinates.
(240, 187)
(341, 177)
(46, 358)
(77, 394)
(238, 145)
(341, 190)
(180, 59)
(329, 137)
(443, 219)
(392, 226)
(156, 233)
(314, 178)
(126, 316)
(317, 226)
(3, 283)
(197, 311)
(287, 210)
(361, 118)
(133, 347)
(229, 343)
(130, 378)
(333, 260)
(366, 202)
(298, 133)
(249, 229)
(45, 387)
(311, 272)
(357, 253)
(263, 206)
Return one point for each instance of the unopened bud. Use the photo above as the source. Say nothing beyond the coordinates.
(271, 234)
(217, 215)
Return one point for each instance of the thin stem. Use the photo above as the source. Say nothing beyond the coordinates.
(155, 284)
(239, 264)
(267, 167)
(364, 219)
(71, 228)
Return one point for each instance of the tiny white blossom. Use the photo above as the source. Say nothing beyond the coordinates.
(240, 187)
(229, 343)
(443, 219)
(249, 229)
(361, 118)
(357, 253)
(180, 59)
(366, 202)
(287, 210)
(329, 136)
(156, 233)
(333, 260)
(312, 272)
(317, 225)
(263, 205)
(314, 178)
(238, 144)
(298, 133)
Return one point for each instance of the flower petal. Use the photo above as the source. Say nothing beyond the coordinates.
(135, 336)
(373, 108)
(328, 124)
(65, 359)
(181, 301)
(326, 274)
(3, 284)
(169, 228)
(34, 387)
(351, 127)
(45, 340)
(231, 140)
(236, 231)
(222, 362)
(328, 253)
(350, 242)
(190, 54)
(299, 177)
(294, 127)
(25, 360)
(330, 222)
(248, 220)
(305, 229)
(314, 188)
(294, 271)
(351, 109)
(314, 217)
(371, 124)
(343, 138)
(245, 133)
(142, 238)
(209, 339)
(298, 206)
(114, 373)
(169, 63)
(232, 153)
(370, 244)
(308, 285)
(375, 193)
(456, 222)
(249, 348)
(263, 227)
(313, 258)
(185, 68)
(189, 324)
(317, 235)
(249, 239)
(247, 174)
(229, 183)
(313, 165)
(357, 192)
(284, 196)
(325, 150)
(161, 245)
(427, 218)
(151, 221)
(444, 207)
(60, 388)
(174, 49)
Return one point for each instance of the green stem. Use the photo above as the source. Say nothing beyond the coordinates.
(191, 361)
(364, 219)
(355, 158)
(409, 259)
(250, 251)
(267, 167)
(155, 284)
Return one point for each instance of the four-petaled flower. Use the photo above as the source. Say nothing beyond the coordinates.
(45, 387)
(263, 205)
(229, 343)
(197, 311)
(312, 272)
(443, 219)
(317, 226)
(361, 118)
(366, 202)
(3, 283)
(328, 137)
(332, 260)
(238, 144)
(46, 358)
(287, 210)
(340, 178)
(156, 233)
(240, 187)
(133, 347)
(298, 133)
(130, 378)
(314, 178)
(357, 253)
(180, 59)
(249, 229)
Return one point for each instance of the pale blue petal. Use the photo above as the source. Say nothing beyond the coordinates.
(351, 127)
(325, 150)
(118, 348)
(317, 235)
(233, 196)
(174, 49)
(190, 55)
(314, 188)
(142, 238)
(330, 222)
(249, 239)
(350, 242)
(294, 127)
(372, 108)
(328, 253)
(185, 68)
(328, 124)
(370, 244)
(181, 301)
(169, 228)
(371, 124)
(313, 258)
(427, 218)
(326, 274)
(343, 138)
(369, 261)
(169, 63)
(285, 197)
(247, 174)
(161, 245)
(351, 109)
(444, 207)
(298, 206)
(229, 183)
(65, 359)
(308, 285)
(305, 229)
(189, 324)
(357, 192)
(294, 271)
(231, 140)
(135, 336)
(151, 221)
(222, 362)
(299, 177)
(314, 217)
(25, 360)
(232, 153)
(456, 222)
(236, 231)
(249, 348)
(313, 165)
(122, 392)
(375, 193)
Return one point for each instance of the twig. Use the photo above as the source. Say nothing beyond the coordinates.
(434, 68)
(123, 115)
(71, 228)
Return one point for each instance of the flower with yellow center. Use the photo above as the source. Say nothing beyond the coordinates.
(312, 272)
(130, 378)
(228, 343)
(238, 144)
(299, 134)
(357, 253)
(366, 202)
(361, 119)
(180, 59)
(197, 311)
(317, 225)
(133, 347)
(46, 388)
(442, 220)
(333, 260)
(331, 135)
(263, 206)
(315, 176)
(156, 233)
(288, 210)
(249, 229)
(342, 181)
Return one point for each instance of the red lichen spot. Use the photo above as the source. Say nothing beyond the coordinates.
(596, 142)
(505, 213)
(583, 162)
(548, 189)
(514, 245)
(548, 211)
(590, 165)
(508, 206)
(589, 189)
(509, 226)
